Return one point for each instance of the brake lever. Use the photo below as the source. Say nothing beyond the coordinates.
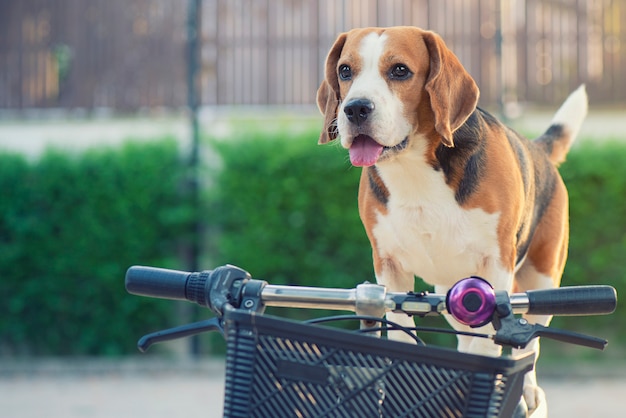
(571, 337)
(518, 332)
(213, 324)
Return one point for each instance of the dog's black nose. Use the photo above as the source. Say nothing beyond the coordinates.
(358, 110)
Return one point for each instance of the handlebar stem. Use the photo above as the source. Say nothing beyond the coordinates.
(370, 300)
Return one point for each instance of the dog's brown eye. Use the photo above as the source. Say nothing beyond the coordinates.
(345, 72)
(400, 72)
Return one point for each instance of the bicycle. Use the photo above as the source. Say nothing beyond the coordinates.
(277, 367)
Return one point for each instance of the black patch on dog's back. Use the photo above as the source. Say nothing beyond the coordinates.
(471, 175)
(468, 153)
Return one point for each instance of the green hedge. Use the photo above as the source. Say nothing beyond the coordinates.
(69, 228)
(277, 204)
(595, 175)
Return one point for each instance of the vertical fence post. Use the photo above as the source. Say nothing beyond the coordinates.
(499, 72)
(193, 104)
(193, 101)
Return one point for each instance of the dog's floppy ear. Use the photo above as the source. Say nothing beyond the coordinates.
(453, 92)
(328, 96)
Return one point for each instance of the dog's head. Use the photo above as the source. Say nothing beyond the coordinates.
(384, 85)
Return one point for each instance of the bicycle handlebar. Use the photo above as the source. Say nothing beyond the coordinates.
(157, 282)
(574, 300)
(470, 301)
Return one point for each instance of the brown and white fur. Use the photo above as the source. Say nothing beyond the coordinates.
(446, 190)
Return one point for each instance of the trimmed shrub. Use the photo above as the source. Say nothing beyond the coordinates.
(278, 205)
(595, 175)
(69, 229)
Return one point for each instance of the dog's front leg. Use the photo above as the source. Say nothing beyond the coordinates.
(395, 279)
(533, 394)
(529, 278)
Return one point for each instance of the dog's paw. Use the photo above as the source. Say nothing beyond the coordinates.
(535, 399)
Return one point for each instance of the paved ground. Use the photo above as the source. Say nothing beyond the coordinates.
(84, 389)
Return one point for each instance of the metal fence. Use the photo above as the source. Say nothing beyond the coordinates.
(128, 55)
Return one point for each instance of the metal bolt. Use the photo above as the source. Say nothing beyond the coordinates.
(248, 303)
(523, 321)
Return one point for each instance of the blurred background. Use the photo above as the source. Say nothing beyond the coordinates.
(182, 134)
(131, 56)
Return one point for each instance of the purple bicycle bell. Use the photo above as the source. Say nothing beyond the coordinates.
(471, 301)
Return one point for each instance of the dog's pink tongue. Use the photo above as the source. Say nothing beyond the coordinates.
(364, 151)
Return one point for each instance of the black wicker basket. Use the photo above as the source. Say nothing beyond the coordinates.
(281, 368)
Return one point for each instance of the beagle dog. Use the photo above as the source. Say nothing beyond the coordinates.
(446, 190)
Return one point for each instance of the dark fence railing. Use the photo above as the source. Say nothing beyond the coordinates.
(131, 55)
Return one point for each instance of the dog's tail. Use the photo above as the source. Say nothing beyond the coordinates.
(557, 140)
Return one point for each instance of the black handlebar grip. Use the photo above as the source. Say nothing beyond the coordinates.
(156, 282)
(574, 300)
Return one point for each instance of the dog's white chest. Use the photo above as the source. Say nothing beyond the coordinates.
(427, 233)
